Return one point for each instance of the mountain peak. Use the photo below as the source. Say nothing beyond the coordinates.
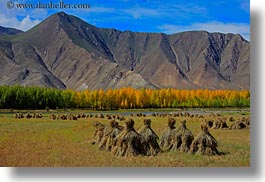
(62, 14)
(59, 14)
(66, 21)
(57, 17)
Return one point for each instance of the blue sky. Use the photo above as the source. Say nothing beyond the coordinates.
(169, 16)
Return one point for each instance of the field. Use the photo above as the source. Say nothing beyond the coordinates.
(45, 142)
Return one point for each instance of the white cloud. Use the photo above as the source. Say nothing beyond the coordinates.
(237, 28)
(188, 10)
(27, 23)
(166, 10)
(24, 24)
(140, 12)
(27, 17)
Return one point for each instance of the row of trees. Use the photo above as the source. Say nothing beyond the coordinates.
(19, 97)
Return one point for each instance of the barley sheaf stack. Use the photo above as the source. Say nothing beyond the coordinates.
(204, 143)
(129, 142)
(98, 134)
(168, 138)
(220, 123)
(238, 125)
(150, 144)
(184, 138)
(110, 133)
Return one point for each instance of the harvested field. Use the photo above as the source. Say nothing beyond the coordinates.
(46, 142)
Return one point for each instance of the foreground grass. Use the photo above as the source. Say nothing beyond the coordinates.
(42, 142)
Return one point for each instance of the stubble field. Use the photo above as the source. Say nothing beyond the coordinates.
(57, 143)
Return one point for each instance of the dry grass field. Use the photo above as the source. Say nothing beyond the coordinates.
(45, 142)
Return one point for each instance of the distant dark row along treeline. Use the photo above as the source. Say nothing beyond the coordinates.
(19, 97)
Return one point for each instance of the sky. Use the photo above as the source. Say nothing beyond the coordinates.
(168, 16)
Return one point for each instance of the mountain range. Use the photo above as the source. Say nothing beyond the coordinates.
(64, 51)
(9, 31)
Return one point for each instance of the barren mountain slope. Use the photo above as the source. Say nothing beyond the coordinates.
(65, 52)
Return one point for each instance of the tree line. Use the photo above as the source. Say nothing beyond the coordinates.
(20, 97)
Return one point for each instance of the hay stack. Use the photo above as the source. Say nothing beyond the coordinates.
(98, 134)
(52, 117)
(220, 124)
(28, 115)
(204, 143)
(223, 124)
(246, 121)
(110, 133)
(128, 142)
(238, 125)
(184, 138)
(151, 147)
(231, 119)
(106, 132)
(217, 124)
(70, 116)
(210, 123)
(19, 115)
(38, 115)
(121, 118)
(168, 138)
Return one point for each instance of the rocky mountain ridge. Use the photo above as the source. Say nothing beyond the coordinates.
(65, 52)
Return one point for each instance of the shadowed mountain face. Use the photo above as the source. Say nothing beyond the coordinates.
(65, 52)
(9, 31)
